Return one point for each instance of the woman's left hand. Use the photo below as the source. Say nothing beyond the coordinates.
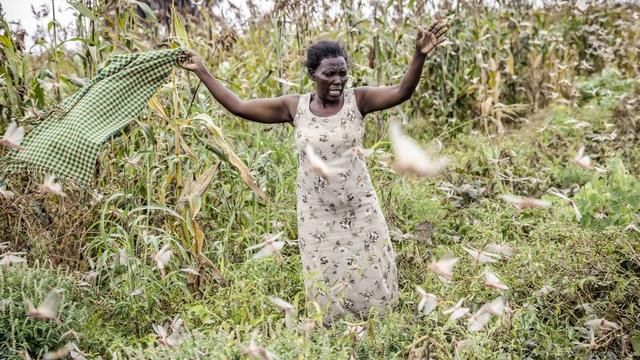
(194, 62)
(428, 40)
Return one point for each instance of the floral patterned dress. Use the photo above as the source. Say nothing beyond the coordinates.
(346, 252)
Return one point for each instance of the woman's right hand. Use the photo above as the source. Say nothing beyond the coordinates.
(194, 62)
(429, 39)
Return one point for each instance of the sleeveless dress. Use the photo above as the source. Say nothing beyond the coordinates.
(345, 247)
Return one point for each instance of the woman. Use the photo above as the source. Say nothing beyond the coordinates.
(344, 241)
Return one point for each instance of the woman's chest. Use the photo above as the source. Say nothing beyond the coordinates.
(331, 133)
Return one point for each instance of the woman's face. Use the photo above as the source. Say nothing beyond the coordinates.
(331, 77)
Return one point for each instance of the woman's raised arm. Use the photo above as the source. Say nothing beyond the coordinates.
(267, 110)
(372, 99)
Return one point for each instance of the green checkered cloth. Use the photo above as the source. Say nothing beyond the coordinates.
(67, 141)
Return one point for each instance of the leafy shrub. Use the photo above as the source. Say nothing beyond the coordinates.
(20, 333)
(610, 200)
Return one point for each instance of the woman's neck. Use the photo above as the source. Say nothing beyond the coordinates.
(325, 103)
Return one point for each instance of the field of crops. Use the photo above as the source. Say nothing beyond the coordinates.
(156, 258)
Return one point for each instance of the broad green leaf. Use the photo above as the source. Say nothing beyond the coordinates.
(83, 9)
(6, 42)
(38, 94)
(145, 9)
(635, 343)
(51, 24)
(181, 32)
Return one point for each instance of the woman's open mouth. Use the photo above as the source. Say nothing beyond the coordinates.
(335, 92)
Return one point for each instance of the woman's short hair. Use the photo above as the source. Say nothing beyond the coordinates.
(321, 50)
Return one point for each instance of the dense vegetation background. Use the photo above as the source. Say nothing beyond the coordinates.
(511, 99)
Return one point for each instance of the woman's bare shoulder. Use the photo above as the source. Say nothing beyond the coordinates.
(291, 101)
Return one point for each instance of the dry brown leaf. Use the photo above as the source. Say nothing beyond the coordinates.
(199, 185)
(218, 136)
